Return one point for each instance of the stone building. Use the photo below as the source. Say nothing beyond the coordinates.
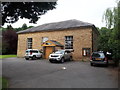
(77, 36)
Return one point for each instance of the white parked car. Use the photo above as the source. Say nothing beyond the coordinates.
(33, 54)
(60, 56)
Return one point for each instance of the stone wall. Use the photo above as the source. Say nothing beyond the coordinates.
(82, 38)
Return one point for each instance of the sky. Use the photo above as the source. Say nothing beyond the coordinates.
(90, 11)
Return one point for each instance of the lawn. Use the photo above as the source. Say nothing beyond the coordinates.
(4, 82)
(7, 56)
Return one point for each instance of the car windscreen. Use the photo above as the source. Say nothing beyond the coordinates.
(59, 52)
(98, 55)
(33, 51)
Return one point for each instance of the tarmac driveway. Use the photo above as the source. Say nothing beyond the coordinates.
(43, 74)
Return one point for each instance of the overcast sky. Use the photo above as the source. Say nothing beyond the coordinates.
(90, 11)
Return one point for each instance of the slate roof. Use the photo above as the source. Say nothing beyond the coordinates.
(58, 26)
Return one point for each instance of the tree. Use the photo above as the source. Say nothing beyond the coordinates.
(24, 26)
(9, 41)
(112, 18)
(103, 39)
(0, 42)
(12, 11)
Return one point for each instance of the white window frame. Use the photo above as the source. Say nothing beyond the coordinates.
(68, 42)
(29, 43)
(86, 52)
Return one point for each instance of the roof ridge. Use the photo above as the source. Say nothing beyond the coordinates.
(72, 23)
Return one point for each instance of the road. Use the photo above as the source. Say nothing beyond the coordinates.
(23, 73)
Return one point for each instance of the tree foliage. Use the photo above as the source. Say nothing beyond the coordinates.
(112, 17)
(12, 11)
(9, 41)
(0, 42)
(105, 34)
(24, 26)
(110, 36)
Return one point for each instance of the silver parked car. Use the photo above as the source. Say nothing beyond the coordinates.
(60, 56)
(33, 54)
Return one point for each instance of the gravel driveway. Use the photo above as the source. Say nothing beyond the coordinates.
(43, 74)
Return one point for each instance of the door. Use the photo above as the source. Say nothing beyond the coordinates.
(48, 51)
(37, 54)
(65, 55)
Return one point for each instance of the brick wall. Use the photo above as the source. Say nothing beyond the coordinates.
(82, 38)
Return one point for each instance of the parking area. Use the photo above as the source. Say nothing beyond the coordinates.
(23, 73)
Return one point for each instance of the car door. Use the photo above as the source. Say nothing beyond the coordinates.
(38, 54)
(66, 55)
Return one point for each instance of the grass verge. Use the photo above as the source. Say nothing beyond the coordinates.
(7, 56)
(4, 82)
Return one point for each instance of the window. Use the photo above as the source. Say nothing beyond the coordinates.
(44, 39)
(29, 43)
(86, 51)
(98, 55)
(34, 51)
(68, 42)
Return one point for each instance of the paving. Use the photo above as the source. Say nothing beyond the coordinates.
(41, 73)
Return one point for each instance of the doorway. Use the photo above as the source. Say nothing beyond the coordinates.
(48, 51)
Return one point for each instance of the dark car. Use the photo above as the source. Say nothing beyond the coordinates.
(98, 58)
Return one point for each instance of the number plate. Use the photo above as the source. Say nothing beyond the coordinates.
(98, 58)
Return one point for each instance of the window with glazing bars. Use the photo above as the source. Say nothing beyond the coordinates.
(68, 42)
(29, 43)
(86, 51)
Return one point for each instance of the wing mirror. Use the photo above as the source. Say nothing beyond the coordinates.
(65, 52)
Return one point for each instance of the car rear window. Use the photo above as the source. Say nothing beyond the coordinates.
(98, 55)
(27, 51)
(33, 51)
(59, 52)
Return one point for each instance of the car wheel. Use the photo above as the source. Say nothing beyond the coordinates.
(62, 60)
(71, 59)
(106, 65)
(91, 64)
(27, 58)
(34, 57)
(51, 61)
(39, 57)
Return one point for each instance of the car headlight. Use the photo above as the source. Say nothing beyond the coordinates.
(49, 56)
(60, 56)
